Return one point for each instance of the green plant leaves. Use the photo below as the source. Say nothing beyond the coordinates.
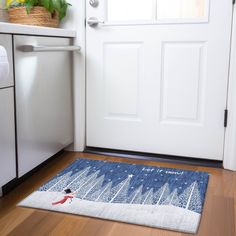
(59, 6)
(29, 4)
(14, 3)
(48, 4)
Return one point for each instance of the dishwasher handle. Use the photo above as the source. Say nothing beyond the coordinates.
(33, 48)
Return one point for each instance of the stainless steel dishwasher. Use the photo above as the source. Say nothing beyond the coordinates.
(43, 80)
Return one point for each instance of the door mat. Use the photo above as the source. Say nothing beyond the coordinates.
(138, 194)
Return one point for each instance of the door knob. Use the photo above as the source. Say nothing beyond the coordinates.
(93, 21)
(94, 3)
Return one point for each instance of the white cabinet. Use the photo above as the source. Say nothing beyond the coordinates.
(7, 137)
(6, 42)
(7, 119)
(43, 100)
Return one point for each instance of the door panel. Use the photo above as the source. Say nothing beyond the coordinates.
(121, 57)
(182, 81)
(159, 86)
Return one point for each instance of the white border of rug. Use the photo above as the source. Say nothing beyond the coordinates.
(162, 216)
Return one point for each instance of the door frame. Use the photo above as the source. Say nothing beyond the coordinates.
(229, 158)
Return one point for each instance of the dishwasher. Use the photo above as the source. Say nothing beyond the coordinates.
(43, 85)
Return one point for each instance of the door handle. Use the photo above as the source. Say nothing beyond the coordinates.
(93, 21)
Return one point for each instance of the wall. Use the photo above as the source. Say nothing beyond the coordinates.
(75, 20)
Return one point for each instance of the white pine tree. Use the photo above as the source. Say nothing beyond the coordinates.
(148, 197)
(67, 180)
(83, 188)
(136, 196)
(57, 186)
(162, 194)
(104, 193)
(185, 197)
(79, 180)
(51, 183)
(87, 190)
(96, 190)
(195, 203)
(156, 196)
(120, 191)
(172, 199)
(175, 198)
(76, 177)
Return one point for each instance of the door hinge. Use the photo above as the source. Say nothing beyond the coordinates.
(233, 2)
(226, 118)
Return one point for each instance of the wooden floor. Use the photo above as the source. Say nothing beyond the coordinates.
(218, 217)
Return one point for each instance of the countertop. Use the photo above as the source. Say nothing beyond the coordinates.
(35, 30)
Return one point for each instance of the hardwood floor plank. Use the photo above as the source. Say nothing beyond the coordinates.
(220, 218)
(29, 224)
(70, 225)
(93, 226)
(13, 219)
(129, 229)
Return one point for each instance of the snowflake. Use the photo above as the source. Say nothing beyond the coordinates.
(111, 170)
(145, 174)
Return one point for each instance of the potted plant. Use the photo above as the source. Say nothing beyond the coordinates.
(37, 12)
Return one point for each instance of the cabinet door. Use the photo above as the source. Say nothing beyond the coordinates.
(43, 100)
(6, 42)
(7, 137)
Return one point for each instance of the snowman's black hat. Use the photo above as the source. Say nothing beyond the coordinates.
(67, 190)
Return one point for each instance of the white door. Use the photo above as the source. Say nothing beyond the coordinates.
(157, 76)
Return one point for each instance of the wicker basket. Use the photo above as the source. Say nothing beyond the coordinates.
(38, 16)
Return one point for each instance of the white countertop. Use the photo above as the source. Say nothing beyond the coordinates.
(35, 30)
